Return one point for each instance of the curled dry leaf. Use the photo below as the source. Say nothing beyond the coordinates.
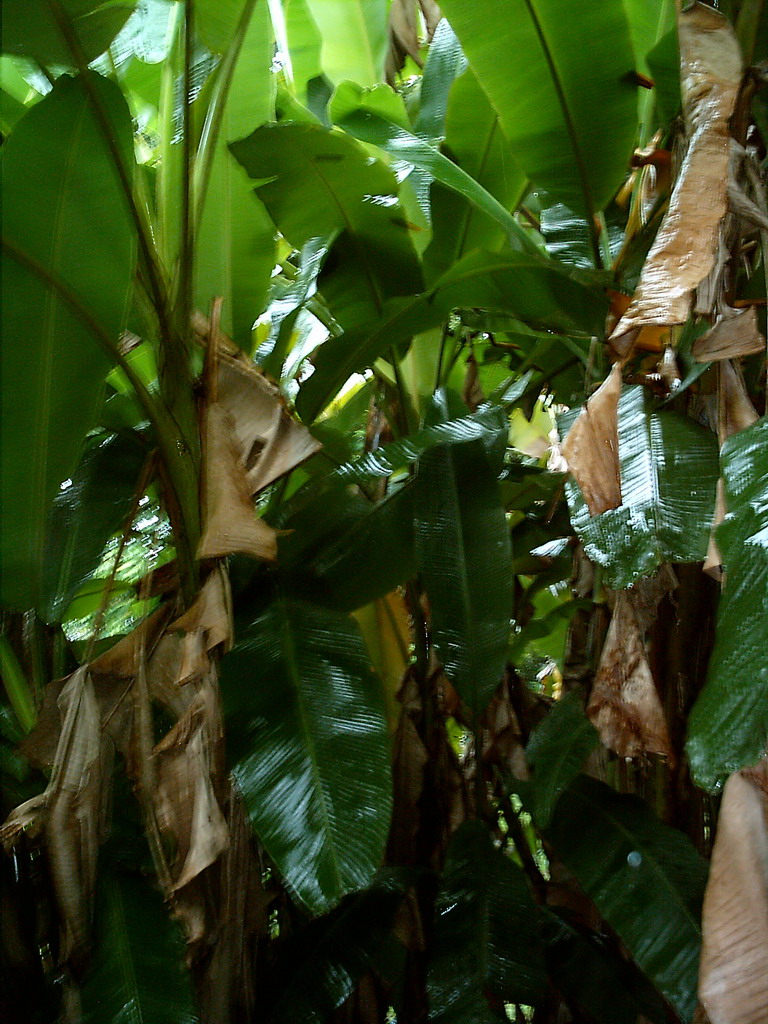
(207, 624)
(624, 704)
(734, 335)
(409, 761)
(230, 523)
(591, 448)
(271, 443)
(686, 247)
(733, 977)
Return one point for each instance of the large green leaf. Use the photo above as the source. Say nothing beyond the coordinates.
(351, 112)
(138, 971)
(464, 558)
(445, 61)
(668, 468)
(236, 237)
(728, 727)
(318, 970)
(475, 141)
(85, 515)
(355, 38)
(65, 220)
(556, 753)
(548, 67)
(536, 291)
(317, 182)
(645, 878)
(308, 745)
(30, 29)
(486, 938)
(304, 44)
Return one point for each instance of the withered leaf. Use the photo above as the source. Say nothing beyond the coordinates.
(734, 335)
(624, 704)
(591, 447)
(686, 247)
(230, 523)
(204, 626)
(270, 441)
(733, 978)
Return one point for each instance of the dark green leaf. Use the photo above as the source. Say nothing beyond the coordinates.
(645, 878)
(138, 971)
(668, 468)
(85, 515)
(728, 726)
(309, 750)
(486, 938)
(318, 970)
(463, 555)
(30, 29)
(63, 212)
(556, 753)
(547, 70)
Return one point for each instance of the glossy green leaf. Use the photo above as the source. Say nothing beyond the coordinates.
(668, 468)
(645, 878)
(649, 23)
(475, 141)
(445, 62)
(30, 29)
(355, 38)
(316, 182)
(728, 727)
(319, 969)
(536, 291)
(350, 111)
(236, 236)
(463, 555)
(486, 934)
(308, 745)
(216, 21)
(556, 753)
(85, 515)
(65, 219)
(138, 971)
(547, 67)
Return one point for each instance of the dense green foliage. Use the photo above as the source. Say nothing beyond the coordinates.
(308, 628)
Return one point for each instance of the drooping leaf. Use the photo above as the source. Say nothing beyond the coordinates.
(320, 968)
(486, 941)
(138, 972)
(235, 251)
(84, 516)
(350, 111)
(734, 958)
(532, 290)
(685, 248)
(668, 471)
(65, 220)
(547, 66)
(354, 38)
(728, 726)
(645, 878)
(309, 750)
(556, 753)
(31, 29)
(463, 555)
(317, 182)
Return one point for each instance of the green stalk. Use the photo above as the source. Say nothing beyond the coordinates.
(209, 136)
(16, 686)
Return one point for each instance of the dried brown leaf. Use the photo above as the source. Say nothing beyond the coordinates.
(122, 660)
(204, 626)
(591, 448)
(686, 247)
(624, 704)
(734, 335)
(409, 761)
(230, 523)
(271, 443)
(735, 410)
(733, 977)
